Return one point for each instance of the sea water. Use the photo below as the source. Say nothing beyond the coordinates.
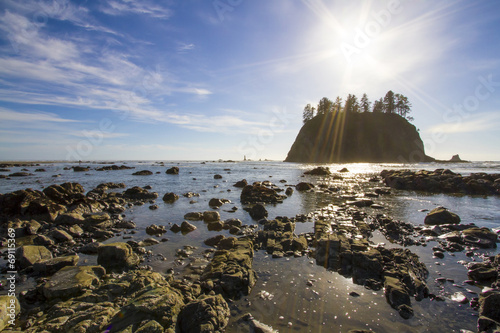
(281, 297)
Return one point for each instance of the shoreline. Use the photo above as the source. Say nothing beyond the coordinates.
(352, 209)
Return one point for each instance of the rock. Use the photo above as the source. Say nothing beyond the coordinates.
(397, 296)
(259, 193)
(72, 281)
(215, 226)
(258, 212)
(319, 171)
(440, 216)
(217, 177)
(80, 169)
(344, 170)
(149, 242)
(70, 219)
(173, 171)
(481, 237)
(289, 191)
(90, 248)
(117, 257)
(142, 173)
(138, 193)
(211, 216)
(367, 265)
(214, 241)
(170, 197)
(194, 216)
(156, 229)
(205, 315)
(303, 186)
(51, 266)
(232, 223)
(43, 240)
(126, 225)
(20, 174)
(28, 255)
(482, 272)
(187, 227)
(489, 312)
(9, 309)
(241, 183)
(175, 228)
(230, 269)
(151, 326)
(459, 297)
(456, 158)
(214, 202)
(60, 235)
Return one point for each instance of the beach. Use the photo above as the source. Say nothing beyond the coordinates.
(278, 249)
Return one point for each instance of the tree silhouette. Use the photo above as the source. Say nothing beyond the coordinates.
(308, 113)
(389, 102)
(365, 103)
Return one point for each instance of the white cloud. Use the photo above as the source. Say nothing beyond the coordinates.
(25, 117)
(123, 7)
(480, 122)
(185, 47)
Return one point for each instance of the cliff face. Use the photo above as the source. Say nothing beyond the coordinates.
(358, 137)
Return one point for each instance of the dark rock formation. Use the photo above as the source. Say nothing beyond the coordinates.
(170, 197)
(172, 171)
(442, 181)
(142, 173)
(441, 215)
(114, 168)
(209, 314)
(319, 171)
(357, 137)
(117, 257)
(260, 193)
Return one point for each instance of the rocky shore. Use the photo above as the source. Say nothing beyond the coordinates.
(121, 293)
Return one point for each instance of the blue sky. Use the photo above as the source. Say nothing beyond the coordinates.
(210, 79)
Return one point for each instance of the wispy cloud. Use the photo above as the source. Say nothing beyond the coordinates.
(145, 7)
(183, 47)
(480, 122)
(26, 117)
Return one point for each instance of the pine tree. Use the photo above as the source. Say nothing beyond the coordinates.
(324, 106)
(378, 106)
(389, 102)
(365, 103)
(308, 113)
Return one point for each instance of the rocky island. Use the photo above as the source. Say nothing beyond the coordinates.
(348, 137)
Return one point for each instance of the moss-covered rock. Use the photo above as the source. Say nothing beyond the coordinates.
(71, 281)
(204, 315)
(9, 309)
(30, 254)
(441, 215)
(51, 266)
(117, 257)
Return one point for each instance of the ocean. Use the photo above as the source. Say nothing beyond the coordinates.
(281, 297)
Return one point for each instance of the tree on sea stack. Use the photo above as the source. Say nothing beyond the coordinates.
(308, 113)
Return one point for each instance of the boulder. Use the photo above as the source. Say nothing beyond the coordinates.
(217, 177)
(214, 241)
(138, 193)
(194, 216)
(70, 219)
(142, 173)
(441, 215)
(72, 281)
(258, 212)
(230, 269)
(117, 257)
(319, 171)
(20, 174)
(28, 255)
(9, 309)
(259, 193)
(156, 229)
(241, 183)
(489, 312)
(172, 171)
(90, 248)
(60, 235)
(303, 186)
(214, 202)
(289, 191)
(205, 315)
(170, 197)
(80, 169)
(397, 296)
(211, 216)
(187, 227)
(51, 266)
(481, 237)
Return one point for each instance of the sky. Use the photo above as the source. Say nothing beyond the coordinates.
(224, 79)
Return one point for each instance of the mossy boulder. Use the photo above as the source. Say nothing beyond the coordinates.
(205, 315)
(28, 255)
(441, 215)
(9, 309)
(117, 257)
(72, 281)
